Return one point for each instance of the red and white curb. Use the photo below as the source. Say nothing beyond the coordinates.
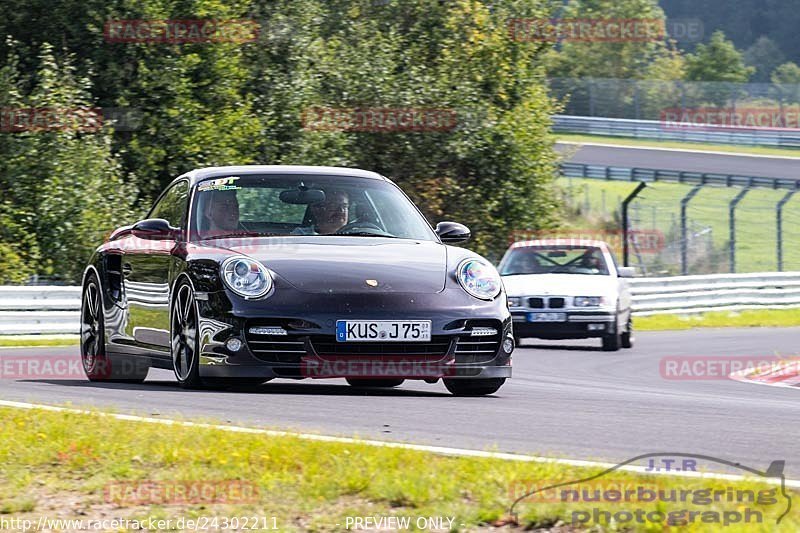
(784, 373)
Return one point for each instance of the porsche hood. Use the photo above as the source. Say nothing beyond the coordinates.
(352, 264)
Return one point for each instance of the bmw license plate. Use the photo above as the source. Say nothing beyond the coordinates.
(547, 317)
(383, 330)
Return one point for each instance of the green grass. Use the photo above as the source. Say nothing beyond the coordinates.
(658, 206)
(623, 141)
(719, 319)
(61, 464)
(38, 340)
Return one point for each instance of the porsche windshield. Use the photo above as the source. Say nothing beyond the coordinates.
(304, 205)
(566, 259)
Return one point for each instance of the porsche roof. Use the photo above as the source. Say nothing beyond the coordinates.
(200, 174)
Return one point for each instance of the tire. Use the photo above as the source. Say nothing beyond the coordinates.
(611, 343)
(366, 382)
(473, 387)
(96, 362)
(627, 338)
(184, 344)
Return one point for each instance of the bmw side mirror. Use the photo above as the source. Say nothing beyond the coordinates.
(154, 229)
(626, 272)
(453, 232)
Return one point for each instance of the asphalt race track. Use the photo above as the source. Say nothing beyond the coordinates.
(714, 163)
(567, 399)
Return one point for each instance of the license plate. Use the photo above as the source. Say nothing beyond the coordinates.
(383, 330)
(547, 317)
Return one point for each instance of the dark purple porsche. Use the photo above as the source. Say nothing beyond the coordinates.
(249, 273)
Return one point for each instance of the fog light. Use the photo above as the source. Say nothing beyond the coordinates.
(233, 344)
(508, 345)
(596, 327)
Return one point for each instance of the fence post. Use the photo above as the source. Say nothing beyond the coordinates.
(779, 226)
(684, 242)
(732, 226)
(625, 203)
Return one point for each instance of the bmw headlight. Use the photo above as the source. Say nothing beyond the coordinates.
(514, 301)
(479, 278)
(246, 277)
(589, 301)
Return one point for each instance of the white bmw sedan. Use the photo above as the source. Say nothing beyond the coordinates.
(568, 289)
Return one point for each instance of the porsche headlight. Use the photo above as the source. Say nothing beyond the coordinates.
(589, 301)
(479, 278)
(246, 277)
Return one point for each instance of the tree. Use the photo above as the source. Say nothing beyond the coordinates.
(63, 185)
(720, 67)
(623, 58)
(493, 171)
(719, 60)
(786, 83)
(764, 55)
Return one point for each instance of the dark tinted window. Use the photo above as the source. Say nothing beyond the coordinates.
(172, 206)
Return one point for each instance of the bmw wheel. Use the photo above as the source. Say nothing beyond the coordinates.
(612, 341)
(627, 336)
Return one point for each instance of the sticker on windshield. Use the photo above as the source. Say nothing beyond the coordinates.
(220, 184)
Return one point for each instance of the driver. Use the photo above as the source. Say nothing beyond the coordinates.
(330, 215)
(220, 212)
(529, 264)
(592, 261)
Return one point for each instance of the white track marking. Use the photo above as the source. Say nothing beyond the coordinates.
(712, 152)
(440, 450)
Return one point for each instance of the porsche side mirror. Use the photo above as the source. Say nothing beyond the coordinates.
(626, 272)
(154, 229)
(453, 232)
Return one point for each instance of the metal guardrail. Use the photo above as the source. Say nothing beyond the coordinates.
(43, 310)
(654, 129)
(39, 309)
(603, 172)
(715, 292)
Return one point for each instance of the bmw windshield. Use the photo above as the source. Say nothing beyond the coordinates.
(277, 205)
(556, 259)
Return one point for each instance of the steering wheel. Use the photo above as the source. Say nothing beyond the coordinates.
(360, 225)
